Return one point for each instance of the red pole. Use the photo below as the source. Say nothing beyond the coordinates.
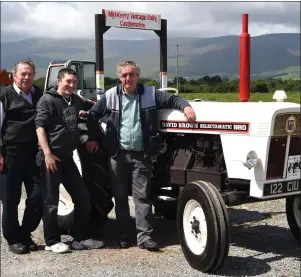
(244, 67)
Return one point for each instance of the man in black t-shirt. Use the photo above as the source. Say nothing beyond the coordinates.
(18, 150)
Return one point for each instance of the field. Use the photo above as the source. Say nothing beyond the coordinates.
(292, 72)
(234, 97)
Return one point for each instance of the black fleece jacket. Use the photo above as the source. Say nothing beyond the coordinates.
(60, 120)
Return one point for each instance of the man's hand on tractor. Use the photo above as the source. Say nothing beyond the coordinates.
(189, 114)
(91, 146)
(83, 115)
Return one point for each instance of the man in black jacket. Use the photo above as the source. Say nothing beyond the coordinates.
(131, 139)
(18, 157)
(57, 130)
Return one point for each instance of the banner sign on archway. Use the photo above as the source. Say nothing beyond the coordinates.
(134, 20)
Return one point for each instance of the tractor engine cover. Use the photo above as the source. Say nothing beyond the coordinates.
(260, 141)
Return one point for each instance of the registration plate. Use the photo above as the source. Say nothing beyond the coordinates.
(281, 187)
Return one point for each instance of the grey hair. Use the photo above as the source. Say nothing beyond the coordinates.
(25, 61)
(125, 64)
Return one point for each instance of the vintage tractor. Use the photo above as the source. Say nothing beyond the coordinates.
(234, 153)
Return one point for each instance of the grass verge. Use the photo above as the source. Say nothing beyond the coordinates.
(234, 97)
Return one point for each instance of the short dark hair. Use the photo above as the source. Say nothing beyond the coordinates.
(64, 71)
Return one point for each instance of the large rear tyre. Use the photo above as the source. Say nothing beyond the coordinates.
(293, 215)
(165, 201)
(65, 214)
(95, 176)
(203, 226)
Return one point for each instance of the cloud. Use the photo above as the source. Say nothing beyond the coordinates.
(21, 20)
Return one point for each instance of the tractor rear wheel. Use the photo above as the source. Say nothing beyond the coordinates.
(65, 211)
(165, 201)
(94, 171)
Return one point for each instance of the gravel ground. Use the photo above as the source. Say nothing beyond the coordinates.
(261, 245)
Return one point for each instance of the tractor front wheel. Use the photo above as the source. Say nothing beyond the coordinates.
(203, 226)
(293, 215)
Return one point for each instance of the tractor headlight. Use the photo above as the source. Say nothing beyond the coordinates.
(251, 160)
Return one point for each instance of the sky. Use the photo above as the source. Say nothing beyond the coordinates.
(20, 20)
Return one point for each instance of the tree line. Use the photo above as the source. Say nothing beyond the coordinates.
(211, 84)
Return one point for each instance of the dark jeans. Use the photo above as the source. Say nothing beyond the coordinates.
(67, 174)
(132, 169)
(21, 168)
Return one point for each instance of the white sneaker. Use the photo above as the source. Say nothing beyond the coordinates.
(88, 244)
(58, 248)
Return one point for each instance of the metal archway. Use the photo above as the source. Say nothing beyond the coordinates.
(101, 28)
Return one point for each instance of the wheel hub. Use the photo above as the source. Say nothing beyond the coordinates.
(64, 208)
(66, 205)
(195, 227)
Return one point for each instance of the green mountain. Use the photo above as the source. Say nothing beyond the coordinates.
(271, 55)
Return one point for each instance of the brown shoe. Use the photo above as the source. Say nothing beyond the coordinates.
(149, 245)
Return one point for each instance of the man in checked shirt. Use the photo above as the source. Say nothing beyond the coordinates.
(18, 150)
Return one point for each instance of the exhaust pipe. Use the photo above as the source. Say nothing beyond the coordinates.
(244, 67)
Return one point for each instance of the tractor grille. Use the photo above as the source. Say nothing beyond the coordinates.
(285, 125)
(281, 124)
(277, 155)
(276, 158)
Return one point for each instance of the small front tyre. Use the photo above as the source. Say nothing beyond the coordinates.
(293, 215)
(203, 226)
